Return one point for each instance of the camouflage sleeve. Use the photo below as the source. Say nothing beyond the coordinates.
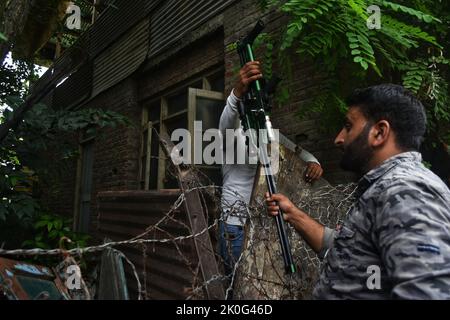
(327, 242)
(412, 235)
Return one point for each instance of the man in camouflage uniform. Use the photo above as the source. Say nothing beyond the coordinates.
(395, 240)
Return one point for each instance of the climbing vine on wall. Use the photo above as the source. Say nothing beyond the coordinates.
(410, 48)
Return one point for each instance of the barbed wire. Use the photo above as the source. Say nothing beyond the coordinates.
(92, 249)
(328, 205)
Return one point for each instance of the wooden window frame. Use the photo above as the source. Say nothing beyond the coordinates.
(148, 126)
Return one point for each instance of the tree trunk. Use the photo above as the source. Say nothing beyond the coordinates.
(15, 14)
(29, 24)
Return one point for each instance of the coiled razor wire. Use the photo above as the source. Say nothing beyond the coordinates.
(317, 204)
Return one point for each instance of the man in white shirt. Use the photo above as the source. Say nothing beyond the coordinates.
(238, 179)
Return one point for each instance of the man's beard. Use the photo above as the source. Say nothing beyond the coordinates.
(358, 153)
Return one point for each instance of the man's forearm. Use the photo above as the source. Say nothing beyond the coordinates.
(311, 230)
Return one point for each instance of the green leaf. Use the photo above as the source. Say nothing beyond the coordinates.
(3, 37)
(377, 70)
(41, 245)
(40, 224)
(426, 164)
(13, 180)
(53, 234)
(427, 18)
(27, 243)
(419, 14)
(58, 224)
(364, 65)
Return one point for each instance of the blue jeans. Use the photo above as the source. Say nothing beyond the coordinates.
(231, 239)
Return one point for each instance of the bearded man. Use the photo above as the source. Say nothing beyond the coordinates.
(395, 240)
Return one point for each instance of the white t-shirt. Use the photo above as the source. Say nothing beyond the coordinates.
(238, 179)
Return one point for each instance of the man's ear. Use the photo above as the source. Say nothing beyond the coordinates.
(380, 133)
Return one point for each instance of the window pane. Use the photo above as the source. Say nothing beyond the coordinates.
(179, 122)
(217, 83)
(208, 111)
(153, 179)
(34, 287)
(177, 103)
(154, 111)
(144, 158)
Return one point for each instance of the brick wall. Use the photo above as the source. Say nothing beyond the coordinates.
(116, 155)
(304, 85)
(192, 60)
(58, 186)
(116, 160)
(117, 151)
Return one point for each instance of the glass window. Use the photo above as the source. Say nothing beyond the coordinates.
(208, 111)
(217, 82)
(177, 103)
(154, 111)
(153, 179)
(207, 107)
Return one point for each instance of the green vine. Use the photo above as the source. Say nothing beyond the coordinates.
(409, 48)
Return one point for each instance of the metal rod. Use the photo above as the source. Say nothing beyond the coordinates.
(254, 107)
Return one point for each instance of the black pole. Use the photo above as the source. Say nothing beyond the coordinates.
(253, 110)
(284, 240)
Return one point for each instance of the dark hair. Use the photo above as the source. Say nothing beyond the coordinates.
(393, 103)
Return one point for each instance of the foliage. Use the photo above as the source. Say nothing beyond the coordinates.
(28, 147)
(408, 48)
(37, 153)
(50, 229)
(15, 78)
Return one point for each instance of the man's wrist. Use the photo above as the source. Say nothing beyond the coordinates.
(297, 216)
(237, 93)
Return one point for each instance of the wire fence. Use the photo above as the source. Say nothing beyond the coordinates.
(258, 272)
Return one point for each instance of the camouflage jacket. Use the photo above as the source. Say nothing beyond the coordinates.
(395, 240)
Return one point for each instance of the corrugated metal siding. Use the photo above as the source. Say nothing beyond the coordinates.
(117, 19)
(121, 59)
(74, 56)
(150, 5)
(42, 81)
(114, 59)
(175, 18)
(75, 89)
(48, 100)
(123, 215)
